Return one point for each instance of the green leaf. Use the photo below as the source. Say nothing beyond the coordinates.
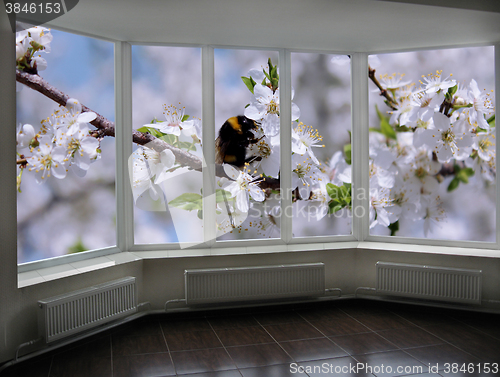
(334, 206)
(77, 247)
(453, 184)
(347, 153)
(373, 129)
(452, 90)
(491, 120)
(187, 145)
(394, 227)
(151, 130)
(170, 139)
(267, 75)
(275, 83)
(387, 130)
(385, 127)
(200, 214)
(188, 201)
(184, 118)
(469, 171)
(463, 174)
(333, 191)
(249, 82)
(223, 196)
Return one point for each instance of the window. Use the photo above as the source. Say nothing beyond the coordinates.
(66, 176)
(239, 92)
(322, 92)
(432, 144)
(415, 190)
(167, 104)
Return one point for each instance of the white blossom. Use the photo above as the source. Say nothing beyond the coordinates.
(242, 188)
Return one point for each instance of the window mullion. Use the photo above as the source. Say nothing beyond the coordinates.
(208, 117)
(285, 144)
(497, 146)
(123, 138)
(360, 145)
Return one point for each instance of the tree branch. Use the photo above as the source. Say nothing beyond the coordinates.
(383, 92)
(107, 128)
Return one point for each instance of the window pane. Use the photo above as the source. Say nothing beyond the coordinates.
(247, 127)
(321, 160)
(66, 202)
(166, 84)
(432, 144)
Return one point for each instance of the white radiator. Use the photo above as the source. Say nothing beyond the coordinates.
(77, 311)
(430, 283)
(219, 285)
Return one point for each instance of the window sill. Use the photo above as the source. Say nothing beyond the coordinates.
(42, 275)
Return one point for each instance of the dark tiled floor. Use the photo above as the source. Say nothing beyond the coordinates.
(334, 338)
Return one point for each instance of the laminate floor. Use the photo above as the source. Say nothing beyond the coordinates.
(334, 338)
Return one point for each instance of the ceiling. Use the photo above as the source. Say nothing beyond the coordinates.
(334, 25)
(484, 5)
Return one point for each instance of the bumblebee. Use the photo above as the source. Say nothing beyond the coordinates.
(235, 136)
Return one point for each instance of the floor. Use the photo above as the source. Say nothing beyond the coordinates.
(334, 338)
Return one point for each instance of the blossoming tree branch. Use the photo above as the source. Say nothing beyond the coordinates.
(438, 129)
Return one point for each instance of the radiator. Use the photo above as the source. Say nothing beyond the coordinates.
(204, 286)
(71, 313)
(430, 283)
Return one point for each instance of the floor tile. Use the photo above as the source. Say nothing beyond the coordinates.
(441, 354)
(486, 349)
(279, 317)
(258, 355)
(191, 340)
(383, 321)
(97, 347)
(312, 349)
(455, 331)
(202, 361)
(38, 367)
(221, 373)
(276, 341)
(326, 314)
(424, 318)
(487, 325)
(230, 322)
(179, 325)
(339, 367)
(141, 327)
(340, 326)
(358, 344)
(293, 331)
(483, 346)
(81, 367)
(361, 307)
(282, 370)
(149, 365)
(134, 345)
(392, 363)
(410, 337)
(244, 336)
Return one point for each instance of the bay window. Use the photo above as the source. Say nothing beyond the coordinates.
(339, 147)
